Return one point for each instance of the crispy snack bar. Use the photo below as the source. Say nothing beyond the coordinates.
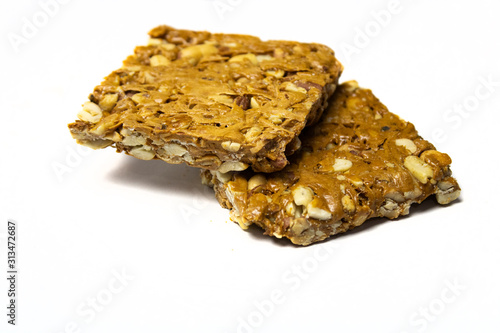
(359, 162)
(215, 101)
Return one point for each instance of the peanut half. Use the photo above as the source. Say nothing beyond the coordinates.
(418, 168)
(90, 113)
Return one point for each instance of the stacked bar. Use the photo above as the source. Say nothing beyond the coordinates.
(214, 101)
(281, 146)
(360, 161)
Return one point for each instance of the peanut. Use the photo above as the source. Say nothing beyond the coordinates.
(317, 213)
(418, 168)
(408, 144)
(244, 57)
(231, 146)
(255, 181)
(90, 113)
(108, 102)
(159, 60)
(232, 166)
(302, 195)
(341, 165)
(142, 153)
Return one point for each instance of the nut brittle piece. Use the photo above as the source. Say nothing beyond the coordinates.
(358, 162)
(225, 102)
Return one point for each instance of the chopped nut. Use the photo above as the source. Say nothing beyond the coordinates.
(207, 161)
(253, 133)
(395, 196)
(277, 235)
(189, 159)
(223, 177)
(299, 211)
(348, 203)
(164, 89)
(232, 166)
(132, 139)
(279, 53)
(263, 57)
(232, 44)
(412, 195)
(317, 213)
(299, 226)
(231, 146)
(341, 165)
(242, 222)
(291, 208)
(253, 103)
(405, 209)
(206, 179)
(444, 198)
(115, 136)
(275, 119)
(277, 73)
(99, 129)
(255, 181)
(196, 52)
(435, 157)
(159, 60)
(302, 195)
(142, 152)
(330, 88)
(288, 86)
(168, 46)
(140, 98)
(298, 49)
(356, 181)
(95, 144)
(321, 234)
(408, 144)
(444, 185)
(155, 41)
(224, 99)
(108, 102)
(350, 86)
(90, 112)
(418, 168)
(242, 81)
(354, 103)
(203, 49)
(446, 193)
(174, 149)
(244, 57)
(390, 209)
(126, 131)
(359, 218)
(133, 69)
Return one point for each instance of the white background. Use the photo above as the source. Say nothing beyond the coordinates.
(184, 266)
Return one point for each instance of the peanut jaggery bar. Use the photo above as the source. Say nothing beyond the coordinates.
(216, 101)
(360, 161)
